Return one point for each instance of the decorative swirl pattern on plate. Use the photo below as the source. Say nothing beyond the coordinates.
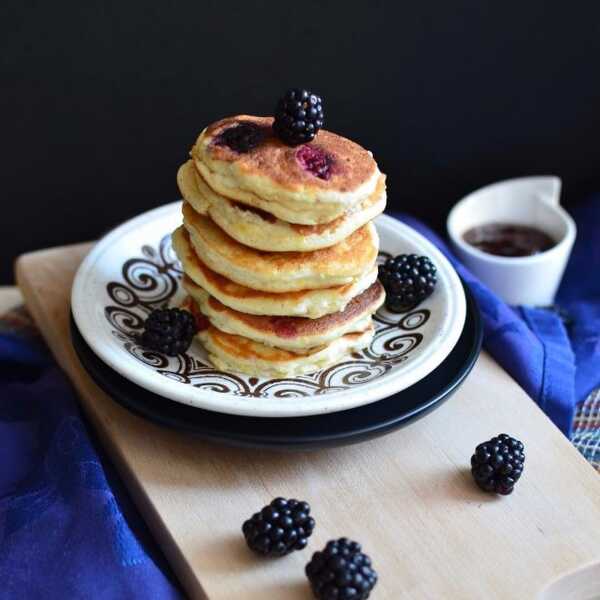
(148, 357)
(353, 372)
(152, 281)
(414, 320)
(218, 381)
(124, 320)
(288, 388)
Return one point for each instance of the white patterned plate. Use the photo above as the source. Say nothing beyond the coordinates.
(133, 270)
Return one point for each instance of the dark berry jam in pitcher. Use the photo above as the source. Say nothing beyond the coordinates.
(507, 239)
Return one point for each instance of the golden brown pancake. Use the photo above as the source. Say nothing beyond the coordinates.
(278, 249)
(305, 303)
(262, 230)
(296, 334)
(276, 177)
(236, 353)
(277, 272)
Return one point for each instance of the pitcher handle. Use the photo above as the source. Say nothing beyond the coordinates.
(549, 189)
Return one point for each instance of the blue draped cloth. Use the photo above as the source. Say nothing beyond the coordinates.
(553, 354)
(69, 530)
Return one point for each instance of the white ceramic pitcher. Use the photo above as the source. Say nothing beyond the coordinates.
(531, 201)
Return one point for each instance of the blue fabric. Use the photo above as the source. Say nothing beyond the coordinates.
(580, 296)
(557, 367)
(67, 529)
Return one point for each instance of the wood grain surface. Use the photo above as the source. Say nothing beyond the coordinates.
(407, 497)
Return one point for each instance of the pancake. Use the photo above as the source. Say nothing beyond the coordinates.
(305, 303)
(281, 271)
(262, 230)
(296, 334)
(236, 353)
(272, 177)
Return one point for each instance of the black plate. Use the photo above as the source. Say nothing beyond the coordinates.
(334, 429)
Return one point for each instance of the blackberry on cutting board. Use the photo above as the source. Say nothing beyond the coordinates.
(408, 279)
(498, 463)
(298, 117)
(279, 528)
(169, 330)
(341, 571)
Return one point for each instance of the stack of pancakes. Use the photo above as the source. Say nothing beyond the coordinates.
(278, 249)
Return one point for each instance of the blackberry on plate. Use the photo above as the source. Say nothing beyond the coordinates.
(169, 330)
(341, 571)
(408, 279)
(298, 117)
(243, 137)
(279, 528)
(498, 463)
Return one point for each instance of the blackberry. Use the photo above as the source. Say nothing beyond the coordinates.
(169, 330)
(242, 137)
(279, 528)
(408, 279)
(341, 571)
(298, 117)
(497, 464)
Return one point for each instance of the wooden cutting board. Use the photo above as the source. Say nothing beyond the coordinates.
(407, 497)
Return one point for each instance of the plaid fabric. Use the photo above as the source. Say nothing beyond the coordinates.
(586, 425)
(586, 429)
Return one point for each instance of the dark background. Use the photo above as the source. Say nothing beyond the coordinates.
(100, 101)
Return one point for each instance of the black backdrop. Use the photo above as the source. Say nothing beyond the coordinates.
(100, 101)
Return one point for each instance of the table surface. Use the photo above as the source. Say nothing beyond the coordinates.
(408, 497)
(10, 296)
